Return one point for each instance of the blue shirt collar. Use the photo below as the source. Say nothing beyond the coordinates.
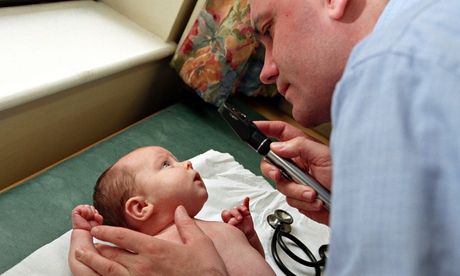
(392, 10)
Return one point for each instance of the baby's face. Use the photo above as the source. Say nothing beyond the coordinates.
(166, 182)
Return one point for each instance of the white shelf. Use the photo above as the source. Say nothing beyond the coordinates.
(47, 48)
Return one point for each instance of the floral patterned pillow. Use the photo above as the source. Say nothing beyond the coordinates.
(220, 55)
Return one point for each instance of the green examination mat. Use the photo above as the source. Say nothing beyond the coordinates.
(37, 211)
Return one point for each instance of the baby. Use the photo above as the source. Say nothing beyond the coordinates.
(142, 190)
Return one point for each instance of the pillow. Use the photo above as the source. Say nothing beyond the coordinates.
(220, 55)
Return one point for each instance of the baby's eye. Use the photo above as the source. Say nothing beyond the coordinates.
(165, 165)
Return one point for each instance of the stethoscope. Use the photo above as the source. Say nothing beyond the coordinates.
(281, 221)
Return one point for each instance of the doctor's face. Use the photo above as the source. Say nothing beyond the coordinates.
(304, 55)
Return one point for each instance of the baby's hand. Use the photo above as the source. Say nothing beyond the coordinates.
(85, 217)
(240, 217)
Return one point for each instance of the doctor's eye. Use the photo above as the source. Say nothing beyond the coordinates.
(267, 32)
(165, 165)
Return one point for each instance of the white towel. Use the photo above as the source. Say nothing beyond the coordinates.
(228, 183)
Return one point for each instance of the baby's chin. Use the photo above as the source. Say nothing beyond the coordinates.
(198, 205)
(205, 199)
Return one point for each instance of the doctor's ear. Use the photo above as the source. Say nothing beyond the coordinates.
(138, 208)
(336, 8)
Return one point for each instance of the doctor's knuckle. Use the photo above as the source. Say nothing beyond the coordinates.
(111, 269)
(119, 236)
(150, 247)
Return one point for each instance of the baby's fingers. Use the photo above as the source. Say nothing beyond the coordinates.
(236, 212)
(233, 214)
(226, 216)
(87, 211)
(96, 221)
(233, 221)
(246, 202)
(98, 218)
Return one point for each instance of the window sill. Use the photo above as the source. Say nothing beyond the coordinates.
(52, 47)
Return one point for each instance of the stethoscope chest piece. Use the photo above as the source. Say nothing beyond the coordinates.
(280, 218)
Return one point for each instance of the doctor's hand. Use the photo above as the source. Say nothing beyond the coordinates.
(310, 155)
(141, 254)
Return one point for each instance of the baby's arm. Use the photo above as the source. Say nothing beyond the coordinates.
(240, 217)
(84, 217)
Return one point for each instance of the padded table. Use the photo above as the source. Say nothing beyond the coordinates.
(37, 211)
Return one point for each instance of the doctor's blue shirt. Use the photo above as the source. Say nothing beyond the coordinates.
(396, 146)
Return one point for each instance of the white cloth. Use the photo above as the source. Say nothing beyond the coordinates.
(228, 183)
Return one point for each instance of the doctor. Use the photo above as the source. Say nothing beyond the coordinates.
(387, 73)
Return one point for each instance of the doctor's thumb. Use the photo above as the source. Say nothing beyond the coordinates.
(181, 214)
(292, 148)
(284, 149)
(189, 231)
(278, 146)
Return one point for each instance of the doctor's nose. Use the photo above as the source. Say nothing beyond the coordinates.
(187, 165)
(270, 72)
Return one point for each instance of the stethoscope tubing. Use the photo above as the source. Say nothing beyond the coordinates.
(277, 239)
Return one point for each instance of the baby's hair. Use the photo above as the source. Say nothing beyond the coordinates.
(113, 188)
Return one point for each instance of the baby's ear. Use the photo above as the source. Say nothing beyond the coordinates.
(138, 208)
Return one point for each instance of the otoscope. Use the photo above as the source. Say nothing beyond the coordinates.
(249, 133)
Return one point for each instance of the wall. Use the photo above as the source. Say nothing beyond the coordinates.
(40, 133)
(157, 16)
